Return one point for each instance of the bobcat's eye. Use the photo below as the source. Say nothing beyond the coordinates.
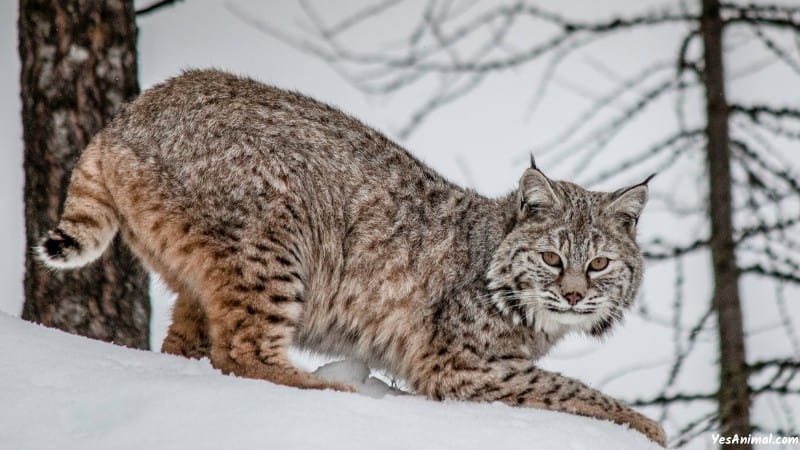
(598, 264)
(551, 259)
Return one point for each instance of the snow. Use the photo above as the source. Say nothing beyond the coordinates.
(357, 374)
(59, 391)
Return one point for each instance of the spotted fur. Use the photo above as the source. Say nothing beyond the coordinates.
(281, 221)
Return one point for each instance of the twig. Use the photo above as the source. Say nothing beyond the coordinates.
(155, 7)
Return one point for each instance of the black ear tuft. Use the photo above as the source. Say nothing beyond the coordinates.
(533, 162)
(647, 180)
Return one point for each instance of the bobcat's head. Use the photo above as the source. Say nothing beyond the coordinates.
(571, 262)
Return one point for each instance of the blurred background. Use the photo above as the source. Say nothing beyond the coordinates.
(603, 94)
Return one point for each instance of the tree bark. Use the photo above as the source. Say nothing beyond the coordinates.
(734, 393)
(78, 66)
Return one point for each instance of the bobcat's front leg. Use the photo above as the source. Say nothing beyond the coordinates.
(519, 382)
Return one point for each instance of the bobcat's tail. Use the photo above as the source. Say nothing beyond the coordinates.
(89, 220)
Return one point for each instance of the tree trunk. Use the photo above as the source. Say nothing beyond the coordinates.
(734, 394)
(78, 66)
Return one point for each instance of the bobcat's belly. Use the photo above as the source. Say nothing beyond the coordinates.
(380, 326)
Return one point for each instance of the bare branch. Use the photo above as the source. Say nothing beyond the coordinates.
(452, 91)
(591, 145)
(569, 29)
(445, 96)
(756, 111)
(778, 16)
(786, 319)
(776, 49)
(672, 251)
(627, 370)
(758, 269)
(786, 363)
(698, 427)
(420, 61)
(360, 16)
(675, 143)
(149, 9)
(684, 65)
(682, 354)
(764, 228)
(781, 173)
(559, 56)
(668, 399)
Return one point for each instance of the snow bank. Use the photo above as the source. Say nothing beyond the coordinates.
(59, 391)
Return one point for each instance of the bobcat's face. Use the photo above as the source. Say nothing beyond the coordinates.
(571, 262)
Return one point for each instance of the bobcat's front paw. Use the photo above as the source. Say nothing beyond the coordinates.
(649, 428)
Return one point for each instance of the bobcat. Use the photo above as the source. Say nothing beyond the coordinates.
(281, 221)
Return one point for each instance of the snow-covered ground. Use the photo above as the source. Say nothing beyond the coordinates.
(59, 391)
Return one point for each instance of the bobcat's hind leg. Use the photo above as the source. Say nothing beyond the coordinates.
(188, 333)
(253, 312)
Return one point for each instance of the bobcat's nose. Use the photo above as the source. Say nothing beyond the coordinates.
(573, 298)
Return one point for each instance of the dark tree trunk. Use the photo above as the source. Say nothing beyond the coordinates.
(78, 66)
(734, 393)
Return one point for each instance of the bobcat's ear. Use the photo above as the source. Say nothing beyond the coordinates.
(536, 193)
(627, 205)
